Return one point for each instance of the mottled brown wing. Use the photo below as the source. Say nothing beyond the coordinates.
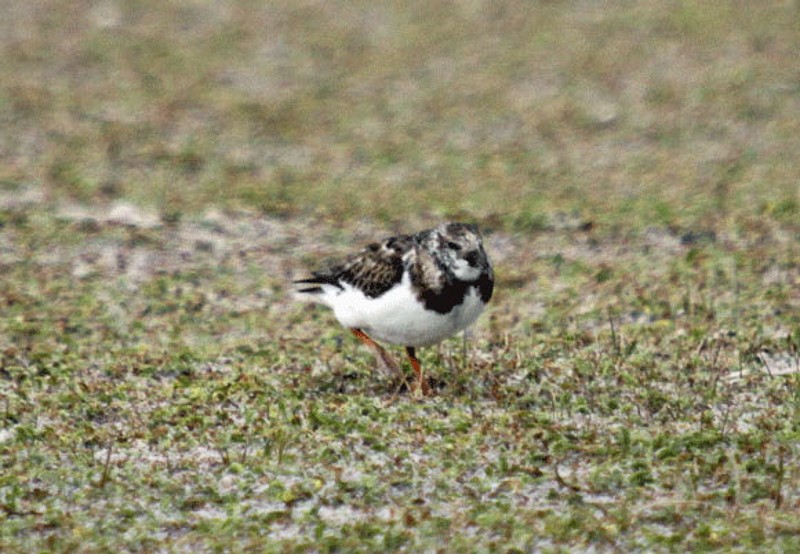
(374, 270)
(378, 267)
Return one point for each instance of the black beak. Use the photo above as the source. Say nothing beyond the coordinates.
(473, 258)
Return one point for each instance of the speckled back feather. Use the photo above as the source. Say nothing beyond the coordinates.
(374, 270)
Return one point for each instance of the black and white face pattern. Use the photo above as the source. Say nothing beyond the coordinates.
(458, 249)
(449, 263)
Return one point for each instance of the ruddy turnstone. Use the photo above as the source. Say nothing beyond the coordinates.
(412, 290)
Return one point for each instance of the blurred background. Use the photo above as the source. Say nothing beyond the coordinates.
(620, 113)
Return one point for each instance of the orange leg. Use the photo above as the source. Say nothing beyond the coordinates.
(422, 381)
(383, 356)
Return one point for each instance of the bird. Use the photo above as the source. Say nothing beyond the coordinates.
(411, 290)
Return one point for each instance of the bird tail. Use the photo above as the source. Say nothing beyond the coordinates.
(317, 280)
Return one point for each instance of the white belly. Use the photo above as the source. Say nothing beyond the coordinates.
(398, 317)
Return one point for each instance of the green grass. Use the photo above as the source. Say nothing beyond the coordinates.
(628, 394)
(633, 386)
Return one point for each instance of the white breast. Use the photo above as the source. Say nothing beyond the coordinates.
(398, 316)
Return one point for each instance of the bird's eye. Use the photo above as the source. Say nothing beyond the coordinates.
(453, 245)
